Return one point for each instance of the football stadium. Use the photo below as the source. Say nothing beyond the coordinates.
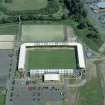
(51, 58)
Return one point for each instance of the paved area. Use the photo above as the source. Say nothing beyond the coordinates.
(22, 93)
(69, 32)
(5, 63)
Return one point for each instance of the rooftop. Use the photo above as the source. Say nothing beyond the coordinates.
(101, 5)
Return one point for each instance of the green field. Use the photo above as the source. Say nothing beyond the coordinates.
(2, 96)
(31, 33)
(2, 99)
(18, 5)
(8, 29)
(46, 58)
(91, 93)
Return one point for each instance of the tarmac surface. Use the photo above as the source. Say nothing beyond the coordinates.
(35, 94)
(5, 66)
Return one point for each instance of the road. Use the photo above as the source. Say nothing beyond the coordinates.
(14, 63)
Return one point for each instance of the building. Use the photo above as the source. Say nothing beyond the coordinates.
(98, 7)
(51, 72)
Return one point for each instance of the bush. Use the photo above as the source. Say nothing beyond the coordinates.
(92, 35)
(81, 26)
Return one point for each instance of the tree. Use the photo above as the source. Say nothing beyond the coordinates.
(76, 10)
(92, 35)
(81, 25)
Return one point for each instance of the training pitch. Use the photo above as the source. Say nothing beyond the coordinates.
(21, 5)
(51, 58)
(31, 33)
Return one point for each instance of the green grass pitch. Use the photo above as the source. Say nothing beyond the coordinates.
(20, 5)
(91, 93)
(51, 59)
(31, 33)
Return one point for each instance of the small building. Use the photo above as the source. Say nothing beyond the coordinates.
(51, 77)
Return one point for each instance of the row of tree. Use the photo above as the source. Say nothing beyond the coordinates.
(14, 19)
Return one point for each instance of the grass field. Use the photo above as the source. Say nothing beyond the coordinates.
(2, 96)
(7, 38)
(7, 45)
(91, 93)
(51, 59)
(8, 29)
(2, 99)
(31, 33)
(7, 35)
(18, 5)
